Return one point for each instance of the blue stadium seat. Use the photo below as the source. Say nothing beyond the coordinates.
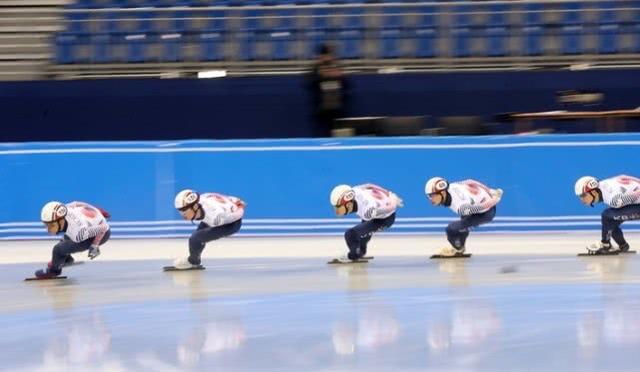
(247, 45)
(498, 16)
(607, 15)
(461, 37)
(427, 17)
(171, 3)
(211, 46)
(393, 18)
(136, 3)
(533, 14)
(81, 4)
(77, 22)
(311, 40)
(349, 44)
(424, 33)
(181, 21)
(65, 47)
(252, 21)
(608, 38)
(462, 16)
(135, 45)
(533, 40)
(144, 21)
(425, 42)
(285, 21)
(353, 18)
(101, 48)
(171, 47)
(320, 19)
(390, 43)
(105, 23)
(462, 30)
(215, 21)
(571, 37)
(636, 34)
(281, 43)
(496, 41)
(571, 14)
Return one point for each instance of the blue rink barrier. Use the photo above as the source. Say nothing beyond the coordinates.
(286, 183)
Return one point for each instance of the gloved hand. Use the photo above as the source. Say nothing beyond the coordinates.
(240, 203)
(497, 194)
(399, 201)
(94, 251)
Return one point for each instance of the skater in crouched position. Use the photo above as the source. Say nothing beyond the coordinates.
(219, 215)
(622, 195)
(373, 204)
(84, 226)
(473, 201)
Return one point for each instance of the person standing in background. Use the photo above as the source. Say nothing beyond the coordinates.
(329, 90)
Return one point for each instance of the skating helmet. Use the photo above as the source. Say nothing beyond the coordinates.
(53, 211)
(585, 184)
(185, 199)
(341, 194)
(436, 184)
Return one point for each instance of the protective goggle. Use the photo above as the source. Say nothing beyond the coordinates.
(185, 208)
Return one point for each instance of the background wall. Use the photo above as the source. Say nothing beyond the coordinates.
(280, 107)
(286, 183)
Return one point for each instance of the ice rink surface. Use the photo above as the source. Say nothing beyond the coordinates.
(521, 303)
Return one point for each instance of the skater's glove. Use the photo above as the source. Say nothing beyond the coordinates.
(497, 193)
(94, 251)
(399, 201)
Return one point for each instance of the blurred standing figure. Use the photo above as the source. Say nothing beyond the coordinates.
(329, 89)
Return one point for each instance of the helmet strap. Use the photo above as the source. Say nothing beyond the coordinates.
(198, 213)
(446, 201)
(597, 196)
(61, 224)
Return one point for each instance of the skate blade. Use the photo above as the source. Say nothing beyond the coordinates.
(173, 268)
(336, 261)
(629, 252)
(615, 253)
(35, 278)
(464, 255)
(368, 258)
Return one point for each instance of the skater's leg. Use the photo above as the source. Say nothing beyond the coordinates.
(458, 231)
(363, 244)
(612, 218)
(205, 234)
(63, 249)
(358, 236)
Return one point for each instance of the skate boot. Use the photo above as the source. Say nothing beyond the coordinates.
(600, 248)
(183, 264)
(48, 273)
(451, 251)
(69, 261)
(624, 248)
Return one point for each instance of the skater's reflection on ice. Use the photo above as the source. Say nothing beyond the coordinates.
(374, 326)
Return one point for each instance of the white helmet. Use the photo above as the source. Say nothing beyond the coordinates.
(186, 198)
(53, 211)
(341, 194)
(436, 184)
(585, 184)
